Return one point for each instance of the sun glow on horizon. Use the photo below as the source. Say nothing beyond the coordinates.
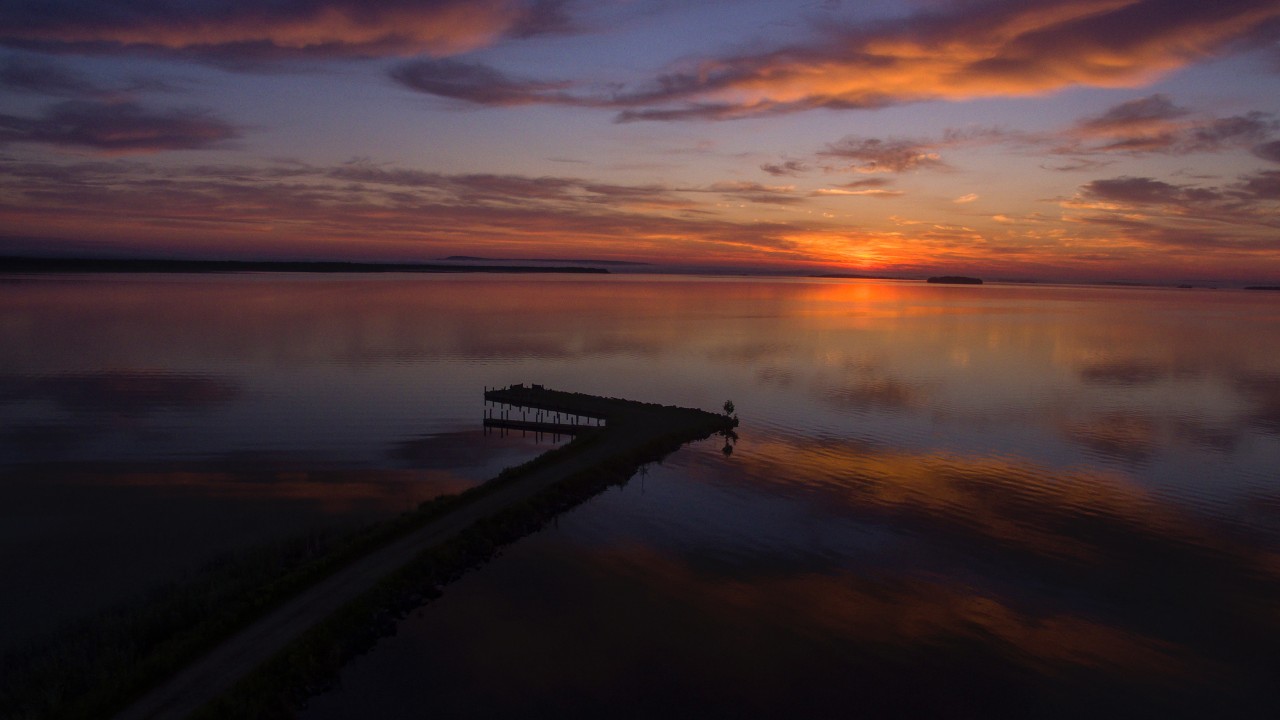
(1067, 139)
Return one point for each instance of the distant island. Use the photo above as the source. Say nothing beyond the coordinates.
(955, 280)
(474, 258)
(853, 276)
(141, 265)
(1272, 288)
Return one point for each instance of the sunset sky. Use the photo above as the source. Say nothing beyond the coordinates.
(1047, 139)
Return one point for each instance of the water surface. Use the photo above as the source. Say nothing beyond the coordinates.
(1020, 500)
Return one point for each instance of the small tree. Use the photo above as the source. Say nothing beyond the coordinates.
(728, 407)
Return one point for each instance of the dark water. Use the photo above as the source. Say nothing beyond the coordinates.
(945, 501)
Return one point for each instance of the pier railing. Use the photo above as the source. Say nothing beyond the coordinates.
(538, 410)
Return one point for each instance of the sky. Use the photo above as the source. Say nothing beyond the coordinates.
(1069, 140)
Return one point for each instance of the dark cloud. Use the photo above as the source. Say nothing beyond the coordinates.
(1240, 197)
(873, 155)
(1077, 164)
(1240, 130)
(1145, 125)
(1236, 220)
(1268, 151)
(235, 30)
(42, 77)
(476, 83)
(1154, 109)
(1261, 186)
(1136, 190)
(893, 155)
(785, 169)
(544, 17)
(874, 182)
(1156, 125)
(758, 193)
(118, 127)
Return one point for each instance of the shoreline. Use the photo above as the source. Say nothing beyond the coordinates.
(34, 265)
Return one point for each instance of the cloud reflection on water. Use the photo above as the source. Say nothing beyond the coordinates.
(1065, 465)
(996, 589)
(1104, 556)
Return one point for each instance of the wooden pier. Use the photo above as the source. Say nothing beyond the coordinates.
(540, 411)
(362, 591)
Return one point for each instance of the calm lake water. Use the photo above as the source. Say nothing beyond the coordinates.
(945, 501)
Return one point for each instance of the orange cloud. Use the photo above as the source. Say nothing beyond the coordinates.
(368, 211)
(986, 50)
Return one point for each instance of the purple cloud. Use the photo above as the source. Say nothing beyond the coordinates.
(118, 128)
(785, 169)
(1260, 186)
(236, 30)
(1139, 190)
(1156, 125)
(476, 83)
(1268, 151)
(1139, 113)
(43, 77)
(873, 155)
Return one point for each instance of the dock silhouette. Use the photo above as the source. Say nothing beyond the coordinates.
(230, 678)
(540, 411)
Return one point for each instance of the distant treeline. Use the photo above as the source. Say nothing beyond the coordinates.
(955, 280)
(576, 261)
(854, 276)
(139, 265)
